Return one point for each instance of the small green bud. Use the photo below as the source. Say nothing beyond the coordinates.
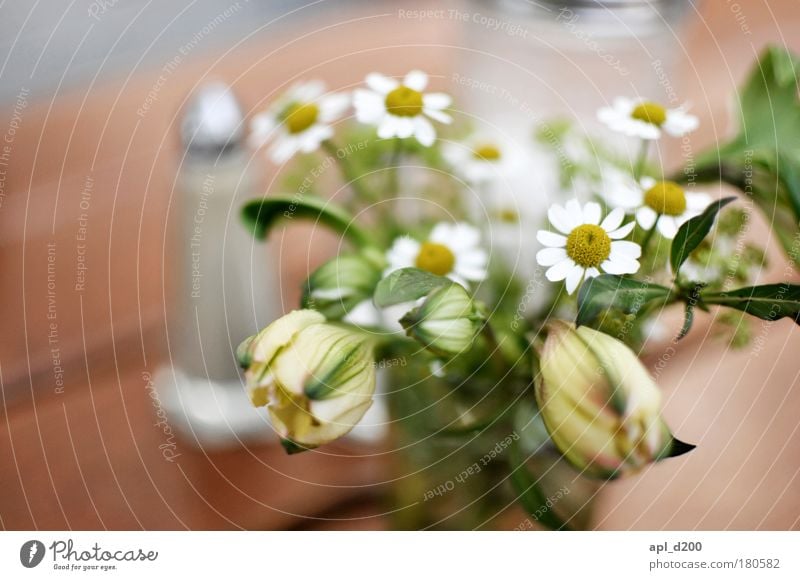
(447, 322)
(337, 286)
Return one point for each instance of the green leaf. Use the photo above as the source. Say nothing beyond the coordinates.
(529, 493)
(609, 291)
(763, 159)
(688, 319)
(261, 215)
(692, 232)
(406, 285)
(768, 302)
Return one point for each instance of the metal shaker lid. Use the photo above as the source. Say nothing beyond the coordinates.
(213, 122)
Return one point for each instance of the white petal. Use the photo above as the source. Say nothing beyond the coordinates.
(668, 226)
(313, 136)
(561, 219)
(307, 91)
(370, 107)
(381, 83)
(283, 149)
(630, 250)
(646, 217)
(551, 239)
(333, 106)
(437, 101)
(404, 127)
(424, 131)
(697, 202)
(592, 213)
(550, 256)
(591, 273)
(402, 254)
(438, 115)
(416, 80)
(620, 266)
(470, 273)
(679, 123)
(575, 210)
(574, 278)
(622, 232)
(647, 182)
(388, 127)
(613, 219)
(559, 271)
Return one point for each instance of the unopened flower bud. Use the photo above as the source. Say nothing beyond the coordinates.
(601, 407)
(316, 378)
(447, 322)
(339, 285)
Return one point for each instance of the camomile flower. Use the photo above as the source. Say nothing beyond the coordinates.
(401, 109)
(481, 159)
(299, 121)
(587, 244)
(646, 119)
(451, 250)
(651, 200)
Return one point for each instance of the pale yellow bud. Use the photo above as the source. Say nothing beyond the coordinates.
(316, 378)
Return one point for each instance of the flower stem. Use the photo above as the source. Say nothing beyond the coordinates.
(641, 160)
(393, 184)
(649, 235)
(348, 172)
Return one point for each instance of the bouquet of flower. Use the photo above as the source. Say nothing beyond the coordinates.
(521, 387)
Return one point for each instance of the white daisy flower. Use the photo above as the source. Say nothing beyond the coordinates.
(451, 250)
(587, 245)
(646, 119)
(299, 121)
(401, 109)
(651, 200)
(482, 159)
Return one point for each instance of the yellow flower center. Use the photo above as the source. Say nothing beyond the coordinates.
(666, 197)
(435, 258)
(507, 215)
(650, 112)
(298, 117)
(588, 245)
(404, 102)
(487, 153)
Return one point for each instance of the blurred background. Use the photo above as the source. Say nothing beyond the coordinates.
(107, 124)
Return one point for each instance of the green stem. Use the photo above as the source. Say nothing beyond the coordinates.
(494, 347)
(649, 235)
(392, 183)
(641, 160)
(348, 173)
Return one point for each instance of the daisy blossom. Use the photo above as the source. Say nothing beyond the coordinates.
(587, 244)
(481, 159)
(651, 200)
(299, 121)
(646, 119)
(401, 109)
(451, 250)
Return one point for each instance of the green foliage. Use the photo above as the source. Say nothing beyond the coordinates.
(763, 159)
(261, 215)
(406, 285)
(693, 232)
(768, 302)
(609, 291)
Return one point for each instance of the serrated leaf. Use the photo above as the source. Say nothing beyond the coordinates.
(693, 232)
(261, 215)
(609, 291)
(767, 302)
(406, 285)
